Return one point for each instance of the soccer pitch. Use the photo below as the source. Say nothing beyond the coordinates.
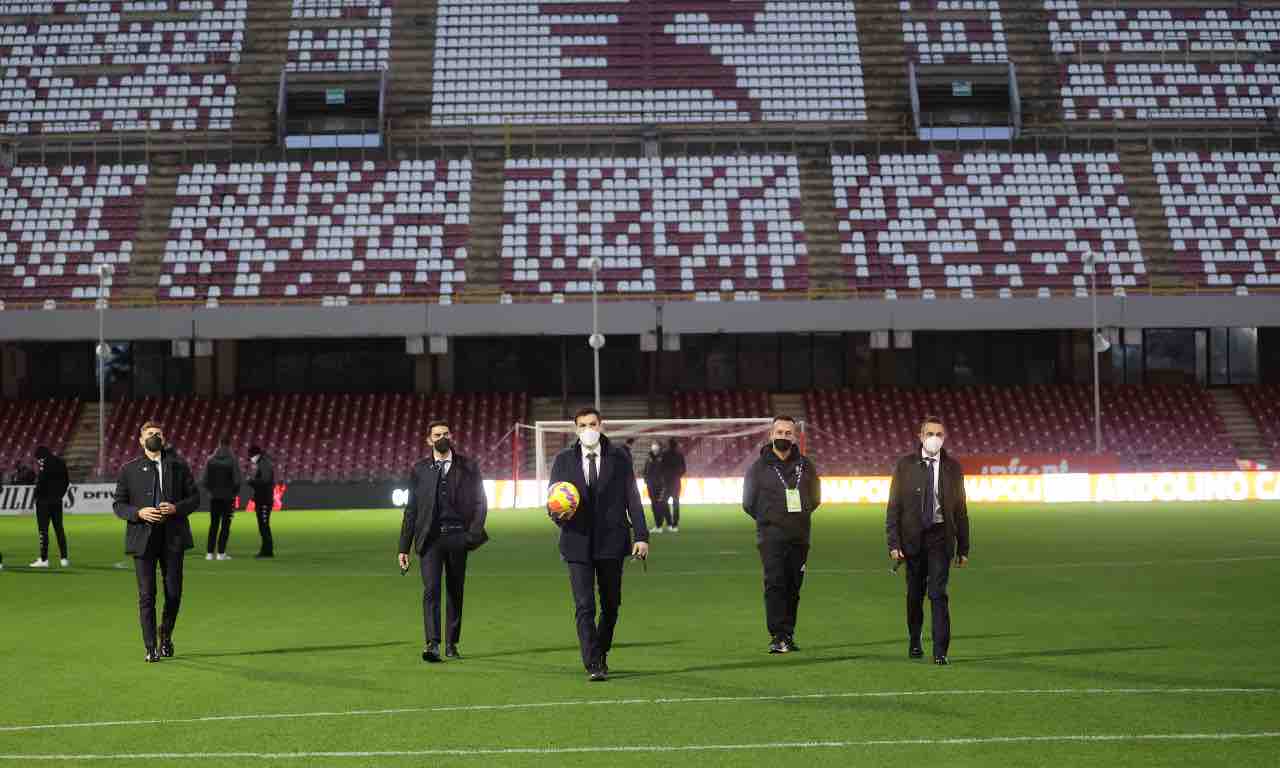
(1123, 635)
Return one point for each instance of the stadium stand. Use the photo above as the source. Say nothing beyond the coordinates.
(1263, 401)
(646, 61)
(333, 437)
(985, 221)
(26, 424)
(145, 65)
(57, 224)
(1221, 216)
(1147, 428)
(1165, 60)
(954, 31)
(319, 229)
(720, 457)
(698, 225)
(336, 35)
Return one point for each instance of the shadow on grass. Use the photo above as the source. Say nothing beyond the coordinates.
(295, 649)
(798, 659)
(1055, 653)
(563, 649)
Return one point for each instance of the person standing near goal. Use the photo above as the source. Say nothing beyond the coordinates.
(781, 492)
(597, 538)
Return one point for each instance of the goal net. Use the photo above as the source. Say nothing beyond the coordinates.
(712, 448)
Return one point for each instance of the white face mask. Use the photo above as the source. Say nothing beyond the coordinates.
(932, 445)
(590, 437)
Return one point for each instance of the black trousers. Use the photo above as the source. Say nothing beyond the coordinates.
(783, 557)
(263, 510)
(596, 638)
(927, 572)
(675, 506)
(661, 512)
(219, 524)
(445, 555)
(171, 572)
(50, 512)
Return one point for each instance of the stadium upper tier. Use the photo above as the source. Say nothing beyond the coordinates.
(954, 31)
(716, 228)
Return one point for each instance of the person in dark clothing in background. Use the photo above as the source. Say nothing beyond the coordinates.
(655, 479)
(676, 468)
(263, 482)
(780, 492)
(222, 479)
(51, 483)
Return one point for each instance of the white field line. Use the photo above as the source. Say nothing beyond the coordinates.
(1006, 567)
(651, 701)
(661, 748)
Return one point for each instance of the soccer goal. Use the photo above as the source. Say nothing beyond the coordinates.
(712, 448)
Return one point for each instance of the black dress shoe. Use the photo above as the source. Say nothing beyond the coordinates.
(791, 643)
(451, 651)
(941, 661)
(779, 645)
(152, 657)
(915, 652)
(431, 653)
(263, 555)
(597, 674)
(166, 645)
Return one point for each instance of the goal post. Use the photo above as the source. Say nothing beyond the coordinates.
(712, 448)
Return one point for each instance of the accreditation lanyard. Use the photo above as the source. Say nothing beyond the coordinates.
(794, 504)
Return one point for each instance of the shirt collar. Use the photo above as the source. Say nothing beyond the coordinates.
(924, 455)
(448, 459)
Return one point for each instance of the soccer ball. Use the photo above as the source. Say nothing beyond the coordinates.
(562, 500)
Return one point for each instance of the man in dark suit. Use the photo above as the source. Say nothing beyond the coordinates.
(781, 491)
(655, 480)
(52, 482)
(443, 520)
(263, 483)
(927, 524)
(676, 468)
(154, 496)
(222, 479)
(596, 540)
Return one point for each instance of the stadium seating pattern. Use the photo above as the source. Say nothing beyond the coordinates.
(1263, 401)
(993, 221)
(699, 225)
(325, 437)
(646, 61)
(319, 229)
(1147, 428)
(721, 456)
(58, 224)
(26, 424)
(338, 35)
(1221, 209)
(138, 65)
(954, 31)
(1165, 61)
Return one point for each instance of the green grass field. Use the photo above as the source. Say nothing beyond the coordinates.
(1129, 635)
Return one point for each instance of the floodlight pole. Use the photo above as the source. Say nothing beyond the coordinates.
(1090, 262)
(596, 340)
(104, 271)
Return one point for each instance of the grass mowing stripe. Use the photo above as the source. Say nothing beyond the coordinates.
(668, 700)
(662, 748)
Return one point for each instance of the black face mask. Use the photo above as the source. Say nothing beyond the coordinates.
(154, 443)
(443, 445)
(782, 445)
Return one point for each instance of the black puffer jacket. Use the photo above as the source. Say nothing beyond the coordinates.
(764, 498)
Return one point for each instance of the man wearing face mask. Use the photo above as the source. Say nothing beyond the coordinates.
(443, 520)
(927, 524)
(263, 483)
(154, 495)
(655, 477)
(52, 482)
(596, 540)
(780, 492)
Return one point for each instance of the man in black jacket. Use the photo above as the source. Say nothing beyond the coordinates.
(222, 480)
(597, 538)
(443, 520)
(927, 524)
(51, 486)
(263, 483)
(154, 496)
(781, 492)
(676, 468)
(655, 480)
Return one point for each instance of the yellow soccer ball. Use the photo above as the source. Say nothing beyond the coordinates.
(562, 500)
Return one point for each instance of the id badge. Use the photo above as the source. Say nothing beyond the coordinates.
(793, 500)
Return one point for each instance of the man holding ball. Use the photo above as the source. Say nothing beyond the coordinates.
(596, 534)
